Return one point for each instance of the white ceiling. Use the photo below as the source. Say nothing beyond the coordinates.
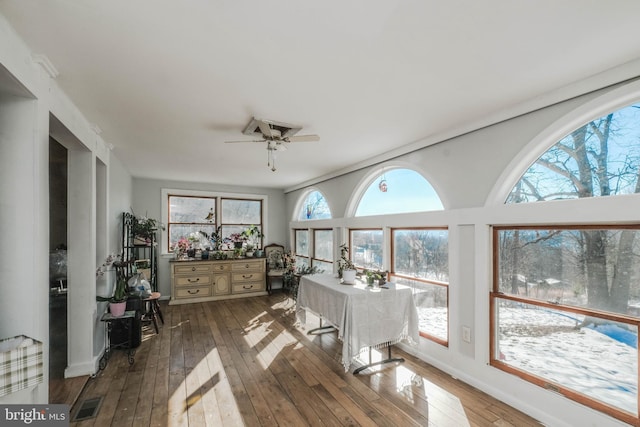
(168, 81)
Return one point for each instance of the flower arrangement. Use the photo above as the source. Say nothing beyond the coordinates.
(235, 240)
(375, 275)
(108, 262)
(181, 247)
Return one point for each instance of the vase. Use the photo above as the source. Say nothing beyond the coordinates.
(348, 276)
(117, 309)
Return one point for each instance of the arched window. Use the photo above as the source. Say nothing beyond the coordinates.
(574, 284)
(398, 191)
(600, 158)
(314, 206)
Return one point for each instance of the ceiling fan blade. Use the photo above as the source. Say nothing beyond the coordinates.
(265, 128)
(247, 140)
(303, 138)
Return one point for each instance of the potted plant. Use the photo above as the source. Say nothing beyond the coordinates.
(249, 250)
(346, 269)
(252, 235)
(374, 276)
(118, 301)
(144, 229)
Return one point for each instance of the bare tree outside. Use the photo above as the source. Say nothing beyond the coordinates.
(599, 159)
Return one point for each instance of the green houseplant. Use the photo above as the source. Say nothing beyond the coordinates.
(144, 228)
(118, 301)
(345, 265)
(252, 235)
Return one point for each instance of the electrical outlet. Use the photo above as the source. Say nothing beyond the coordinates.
(466, 334)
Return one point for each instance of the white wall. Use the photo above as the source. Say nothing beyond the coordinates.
(473, 174)
(32, 107)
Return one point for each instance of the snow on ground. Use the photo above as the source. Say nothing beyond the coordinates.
(549, 344)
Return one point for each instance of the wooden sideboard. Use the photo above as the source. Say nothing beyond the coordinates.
(198, 281)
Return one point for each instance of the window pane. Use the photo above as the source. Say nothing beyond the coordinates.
(398, 191)
(599, 159)
(432, 304)
(190, 209)
(326, 267)
(302, 242)
(598, 359)
(323, 244)
(236, 211)
(421, 253)
(366, 249)
(314, 207)
(190, 215)
(301, 262)
(595, 268)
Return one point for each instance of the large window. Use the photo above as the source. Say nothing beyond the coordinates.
(398, 191)
(600, 158)
(564, 311)
(421, 260)
(198, 217)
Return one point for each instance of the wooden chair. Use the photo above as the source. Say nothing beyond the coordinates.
(275, 263)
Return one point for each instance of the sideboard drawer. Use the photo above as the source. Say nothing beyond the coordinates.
(195, 280)
(192, 268)
(239, 288)
(193, 292)
(247, 266)
(220, 267)
(247, 276)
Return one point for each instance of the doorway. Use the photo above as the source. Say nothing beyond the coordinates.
(58, 178)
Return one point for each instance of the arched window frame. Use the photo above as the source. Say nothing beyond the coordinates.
(531, 152)
(301, 201)
(366, 181)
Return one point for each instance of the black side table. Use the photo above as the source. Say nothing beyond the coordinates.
(128, 324)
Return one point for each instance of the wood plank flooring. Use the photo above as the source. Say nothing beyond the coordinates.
(244, 363)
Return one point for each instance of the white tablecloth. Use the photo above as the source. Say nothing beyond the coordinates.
(363, 317)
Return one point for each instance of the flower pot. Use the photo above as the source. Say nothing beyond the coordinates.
(117, 309)
(348, 276)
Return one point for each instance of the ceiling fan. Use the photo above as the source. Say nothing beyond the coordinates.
(276, 134)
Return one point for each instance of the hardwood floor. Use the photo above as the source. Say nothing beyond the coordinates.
(243, 362)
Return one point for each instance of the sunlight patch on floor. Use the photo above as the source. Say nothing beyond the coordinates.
(208, 388)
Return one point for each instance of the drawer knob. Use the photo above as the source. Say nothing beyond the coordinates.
(193, 269)
(247, 287)
(246, 266)
(193, 291)
(193, 281)
(247, 276)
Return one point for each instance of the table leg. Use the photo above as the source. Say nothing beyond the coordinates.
(322, 329)
(389, 359)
